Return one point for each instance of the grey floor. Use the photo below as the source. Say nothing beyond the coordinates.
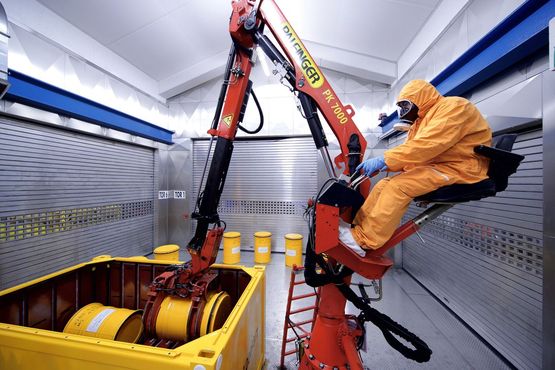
(453, 345)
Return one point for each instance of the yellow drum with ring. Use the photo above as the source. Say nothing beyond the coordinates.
(106, 322)
(169, 252)
(262, 246)
(215, 312)
(175, 317)
(172, 321)
(293, 249)
(232, 247)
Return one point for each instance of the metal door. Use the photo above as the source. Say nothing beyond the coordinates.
(66, 197)
(268, 184)
(484, 260)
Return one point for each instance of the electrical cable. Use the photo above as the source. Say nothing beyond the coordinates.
(389, 328)
(292, 326)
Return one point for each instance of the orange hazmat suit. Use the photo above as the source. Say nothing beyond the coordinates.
(438, 151)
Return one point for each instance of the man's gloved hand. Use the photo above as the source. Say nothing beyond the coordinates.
(372, 165)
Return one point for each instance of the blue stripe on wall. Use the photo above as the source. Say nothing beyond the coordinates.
(35, 93)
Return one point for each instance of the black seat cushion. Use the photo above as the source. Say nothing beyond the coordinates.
(460, 192)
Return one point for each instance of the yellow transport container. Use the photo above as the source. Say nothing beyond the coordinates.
(293, 249)
(262, 246)
(33, 316)
(232, 247)
(168, 252)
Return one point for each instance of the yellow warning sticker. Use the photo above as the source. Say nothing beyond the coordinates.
(227, 119)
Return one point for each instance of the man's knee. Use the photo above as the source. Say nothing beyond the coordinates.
(399, 186)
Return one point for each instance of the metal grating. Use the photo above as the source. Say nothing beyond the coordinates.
(485, 260)
(26, 226)
(267, 187)
(67, 197)
(518, 250)
(258, 207)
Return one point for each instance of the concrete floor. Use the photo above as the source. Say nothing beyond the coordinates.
(453, 345)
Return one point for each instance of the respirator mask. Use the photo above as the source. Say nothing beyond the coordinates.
(408, 113)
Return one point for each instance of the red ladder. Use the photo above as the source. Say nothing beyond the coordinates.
(299, 331)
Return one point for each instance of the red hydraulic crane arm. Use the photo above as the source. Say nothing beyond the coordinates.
(313, 89)
(311, 81)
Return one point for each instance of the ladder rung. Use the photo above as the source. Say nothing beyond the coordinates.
(305, 332)
(307, 295)
(290, 352)
(298, 282)
(303, 335)
(299, 326)
(300, 323)
(304, 309)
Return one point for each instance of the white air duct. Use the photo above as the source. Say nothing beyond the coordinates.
(4, 36)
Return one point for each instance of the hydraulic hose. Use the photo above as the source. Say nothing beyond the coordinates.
(261, 124)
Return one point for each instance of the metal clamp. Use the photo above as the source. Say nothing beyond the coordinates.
(356, 182)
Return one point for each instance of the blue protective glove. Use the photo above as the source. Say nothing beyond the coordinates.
(372, 165)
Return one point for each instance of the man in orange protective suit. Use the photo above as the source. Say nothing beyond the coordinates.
(439, 151)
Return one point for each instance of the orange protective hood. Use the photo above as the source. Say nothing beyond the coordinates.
(421, 93)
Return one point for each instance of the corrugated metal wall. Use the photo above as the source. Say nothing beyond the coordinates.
(67, 197)
(267, 187)
(484, 260)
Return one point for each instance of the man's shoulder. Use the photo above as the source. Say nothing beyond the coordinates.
(450, 100)
(450, 103)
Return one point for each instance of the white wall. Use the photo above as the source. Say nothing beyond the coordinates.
(46, 47)
(195, 108)
(31, 54)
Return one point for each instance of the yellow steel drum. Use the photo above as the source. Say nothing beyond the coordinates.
(293, 249)
(169, 252)
(232, 247)
(262, 246)
(106, 322)
(173, 318)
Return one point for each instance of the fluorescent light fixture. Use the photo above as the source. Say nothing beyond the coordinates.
(552, 44)
(263, 61)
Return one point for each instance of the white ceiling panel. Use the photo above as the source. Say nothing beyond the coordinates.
(172, 39)
(175, 41)
(377, 28)
(109, 20)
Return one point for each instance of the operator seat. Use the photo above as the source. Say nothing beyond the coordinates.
(502, 164)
